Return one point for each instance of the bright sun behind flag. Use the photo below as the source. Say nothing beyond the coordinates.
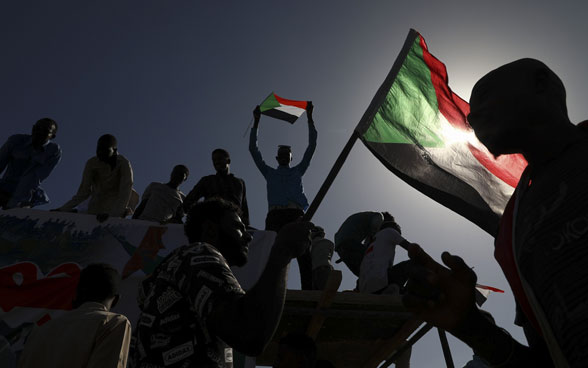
(416, 126)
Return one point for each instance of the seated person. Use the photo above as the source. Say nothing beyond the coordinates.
(108, 182)
(27, 160)
(378, 274)
(163, 202)
(354, 235)
(89, 335)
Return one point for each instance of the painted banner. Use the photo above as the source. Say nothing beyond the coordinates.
(42, 254)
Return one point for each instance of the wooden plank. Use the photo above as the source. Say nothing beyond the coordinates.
(330, 291)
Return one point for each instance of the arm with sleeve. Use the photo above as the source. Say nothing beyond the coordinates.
(124, 190)
(84, 191)
(33, 178)
(255, 153)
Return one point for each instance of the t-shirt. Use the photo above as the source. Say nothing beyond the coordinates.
(379, 256)
(175, 302)
(162, 202)
(89, 336)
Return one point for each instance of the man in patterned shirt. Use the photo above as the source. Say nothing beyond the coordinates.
(193, 310)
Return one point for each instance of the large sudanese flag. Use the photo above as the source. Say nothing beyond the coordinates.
(416, 126)
(282, 108)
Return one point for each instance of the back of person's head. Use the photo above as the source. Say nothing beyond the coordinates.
(212, 210)
(296, 350)
(99, 282)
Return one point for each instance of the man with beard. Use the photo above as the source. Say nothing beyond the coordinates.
(193, 310)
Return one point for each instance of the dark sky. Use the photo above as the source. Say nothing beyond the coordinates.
(172, 80)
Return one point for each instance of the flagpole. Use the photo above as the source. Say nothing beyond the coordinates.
(330, 177)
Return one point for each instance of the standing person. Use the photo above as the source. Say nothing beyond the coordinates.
(285, 193)
(89, 335)
(542, 241)
(108, 182)
(223, 185)
(163, 202)
(27, 160)
(193, 310)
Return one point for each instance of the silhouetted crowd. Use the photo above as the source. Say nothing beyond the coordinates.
(194, 311)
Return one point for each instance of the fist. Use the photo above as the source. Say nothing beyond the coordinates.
(294, 238)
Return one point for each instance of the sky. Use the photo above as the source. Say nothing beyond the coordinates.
(175, 80)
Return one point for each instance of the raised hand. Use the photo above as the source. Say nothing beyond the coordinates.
(444, 297)
(294, 239)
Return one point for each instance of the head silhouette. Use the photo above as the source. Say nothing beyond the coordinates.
(217, 222)
(179, 175)
(284, 156)
(99, 282)
(511, 103)
(221, 160)
(106, 148)
(43, 130)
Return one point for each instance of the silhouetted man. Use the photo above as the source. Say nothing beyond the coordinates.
(223, 185)
(88, 336)
(542, 243)
(284, 184)
(163, 202)
(192, 307)
(108, 182)
(27, 160)
(285, 193)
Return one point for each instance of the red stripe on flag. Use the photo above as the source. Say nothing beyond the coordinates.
(285, 101)
(507, 168)
(491, 288)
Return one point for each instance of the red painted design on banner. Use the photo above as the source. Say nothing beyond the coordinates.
(146, 253)
(20, 286)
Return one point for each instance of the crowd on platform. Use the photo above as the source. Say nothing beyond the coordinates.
(194, 311)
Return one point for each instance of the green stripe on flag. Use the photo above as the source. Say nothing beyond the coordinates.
(269, 103)
(409, 113)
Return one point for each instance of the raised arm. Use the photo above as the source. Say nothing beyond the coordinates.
(312, 136)
(249, 322)
(253, 149)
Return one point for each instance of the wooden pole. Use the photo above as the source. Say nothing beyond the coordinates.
(445, 346)
(330, 178)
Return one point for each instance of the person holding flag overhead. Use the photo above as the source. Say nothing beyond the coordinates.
(285, 192)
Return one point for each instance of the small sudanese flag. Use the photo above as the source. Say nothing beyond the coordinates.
(282, 108)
